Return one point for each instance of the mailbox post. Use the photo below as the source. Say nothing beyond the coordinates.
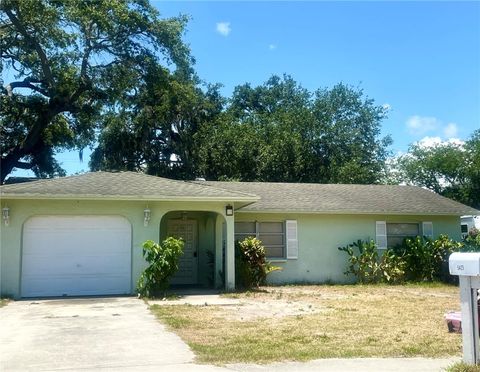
(467, 267)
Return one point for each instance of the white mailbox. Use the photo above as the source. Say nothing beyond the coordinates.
(464, 263)
(467, 267)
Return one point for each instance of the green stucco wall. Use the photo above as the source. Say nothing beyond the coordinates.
(319, 236)
(21, 210)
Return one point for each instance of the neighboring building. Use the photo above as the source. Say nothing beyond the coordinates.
(82, 235)
(468, 223)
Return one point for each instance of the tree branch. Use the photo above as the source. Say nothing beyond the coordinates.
(41, 53)
(24, 84)
(23, 165)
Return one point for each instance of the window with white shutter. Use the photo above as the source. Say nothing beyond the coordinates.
(397, 232)
(381, 234)
(271, 233)
(292, 239)
(392, 234)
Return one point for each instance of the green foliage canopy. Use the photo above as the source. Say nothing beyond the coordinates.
(280, 132)
(114, 73)
(449, 169)
(68, 62)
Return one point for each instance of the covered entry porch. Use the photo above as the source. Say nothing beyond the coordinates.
(208, 254)
(208, 230)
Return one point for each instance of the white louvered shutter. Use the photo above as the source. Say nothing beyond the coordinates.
(381, 234)
(427, 229)
(292, 239)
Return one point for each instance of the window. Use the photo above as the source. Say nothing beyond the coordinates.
(464, 229)
(397, 232)
(272, 235)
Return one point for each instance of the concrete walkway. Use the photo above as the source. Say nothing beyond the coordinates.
(120, 334)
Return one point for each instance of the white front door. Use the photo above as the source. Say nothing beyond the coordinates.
(188, 263)
(76, 255)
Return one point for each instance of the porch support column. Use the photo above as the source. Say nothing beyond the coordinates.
(218, 251)
(230, 254)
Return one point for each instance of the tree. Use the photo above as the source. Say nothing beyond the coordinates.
(449, 169)
(280, 132)
(68, 63)
(154, 132)
(346, 136)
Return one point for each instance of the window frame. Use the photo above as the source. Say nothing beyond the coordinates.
(257, 235)
(419, 227)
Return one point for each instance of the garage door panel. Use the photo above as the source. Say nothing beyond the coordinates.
(62, 286)
(63, 265)
(76, 255)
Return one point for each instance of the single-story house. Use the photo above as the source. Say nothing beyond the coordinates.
(83, 235)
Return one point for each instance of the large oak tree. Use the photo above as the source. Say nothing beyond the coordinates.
(66, 64)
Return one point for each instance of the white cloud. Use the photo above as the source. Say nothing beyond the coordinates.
(437, 141)
(272, 46)
(421, 125)
(450, 130)
(223, 28)
(418, 125)
(387, 106)
(429, 141)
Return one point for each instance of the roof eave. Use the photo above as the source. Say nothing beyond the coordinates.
(403, 213)
(128, 197)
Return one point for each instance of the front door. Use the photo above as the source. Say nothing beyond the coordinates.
(188, 263)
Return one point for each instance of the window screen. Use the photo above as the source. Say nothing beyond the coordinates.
(271, 234)
(397, 232)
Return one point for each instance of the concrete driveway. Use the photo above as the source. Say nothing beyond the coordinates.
(87, 334)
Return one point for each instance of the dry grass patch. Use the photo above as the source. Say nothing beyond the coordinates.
(341, 321)
(462, 367)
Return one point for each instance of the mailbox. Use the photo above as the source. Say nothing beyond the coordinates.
(464, 264)
(467, 267)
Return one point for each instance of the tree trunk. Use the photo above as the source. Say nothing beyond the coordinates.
(14, 157)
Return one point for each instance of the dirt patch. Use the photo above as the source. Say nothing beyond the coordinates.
(252, 310)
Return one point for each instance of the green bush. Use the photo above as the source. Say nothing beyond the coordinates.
(472, 241)
(252, 267)
(392, 267)
(416, 259)
(364, 265)
(370, 267)
(427, 259)
(163, 264)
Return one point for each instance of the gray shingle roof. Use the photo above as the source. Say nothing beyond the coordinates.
(120, 185)
(267, 196)
(334, 198)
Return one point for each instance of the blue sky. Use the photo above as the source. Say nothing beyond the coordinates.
(422, 59)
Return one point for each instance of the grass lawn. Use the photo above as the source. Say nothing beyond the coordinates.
(461, 367)
(311, 322)
(3, 302)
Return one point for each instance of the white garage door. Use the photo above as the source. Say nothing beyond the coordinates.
(76, 255)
